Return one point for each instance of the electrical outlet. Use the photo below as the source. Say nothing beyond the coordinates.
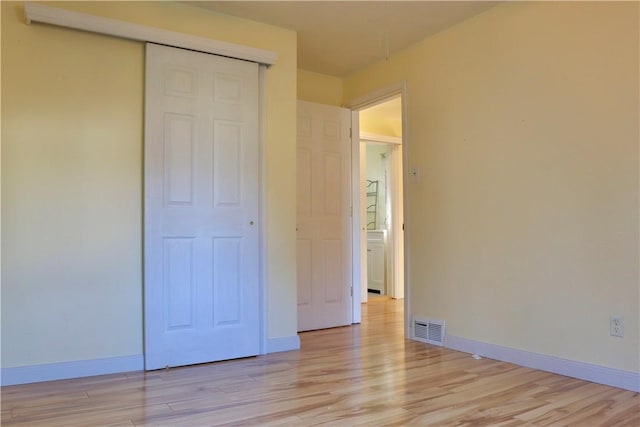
(616, 326)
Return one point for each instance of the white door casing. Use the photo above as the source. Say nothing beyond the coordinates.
(357, 104)
(396, 232)
(323, 216)
(362, 213)
(201, 242)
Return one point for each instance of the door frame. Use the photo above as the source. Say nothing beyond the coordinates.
(262, 203)
(359, 257)
(394, 236)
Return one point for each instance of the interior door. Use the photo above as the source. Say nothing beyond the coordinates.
(201, 206)
(323, 216)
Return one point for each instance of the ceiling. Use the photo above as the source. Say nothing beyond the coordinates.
(341, 37)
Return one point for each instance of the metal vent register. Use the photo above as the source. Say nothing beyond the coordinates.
(430, 331)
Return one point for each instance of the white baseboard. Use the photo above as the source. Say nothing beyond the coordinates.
(275, 345)
(65, 370)
(585, 371)
(111, 365)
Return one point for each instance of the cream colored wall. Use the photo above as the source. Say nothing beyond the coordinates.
(383, 119)
(523, 230)
(319, 88)
(72, 141)
(371, 124)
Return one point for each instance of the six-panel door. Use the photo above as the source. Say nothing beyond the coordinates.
(201, 208)
(323, 216)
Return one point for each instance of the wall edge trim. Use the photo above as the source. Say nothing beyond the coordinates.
(627, 380)
(67, 370)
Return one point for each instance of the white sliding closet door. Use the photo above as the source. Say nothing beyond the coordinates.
(201, 243)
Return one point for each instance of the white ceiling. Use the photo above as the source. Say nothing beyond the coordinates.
(341, 37)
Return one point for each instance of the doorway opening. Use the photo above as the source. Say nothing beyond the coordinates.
(381, 200)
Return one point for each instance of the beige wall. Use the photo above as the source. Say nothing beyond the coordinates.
(383, 119)
(319, 88)
(523, 230)
(373, 123)
(72, 121)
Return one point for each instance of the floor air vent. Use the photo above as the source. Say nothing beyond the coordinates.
(430, 331)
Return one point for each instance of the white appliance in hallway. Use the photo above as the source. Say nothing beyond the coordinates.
(376, 242)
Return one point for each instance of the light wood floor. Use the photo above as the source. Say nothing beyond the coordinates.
(361, 375)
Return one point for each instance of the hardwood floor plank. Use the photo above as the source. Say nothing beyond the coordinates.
(17, 402)
(368, 416)
(248, 412)
(366, 374)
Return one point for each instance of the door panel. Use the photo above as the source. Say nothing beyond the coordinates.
(178, 272)
(323, 216)
(201, 208)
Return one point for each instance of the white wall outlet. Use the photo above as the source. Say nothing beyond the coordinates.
(616, 326)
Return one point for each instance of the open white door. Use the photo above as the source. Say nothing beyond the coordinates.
(323, 216)
(201, 238)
